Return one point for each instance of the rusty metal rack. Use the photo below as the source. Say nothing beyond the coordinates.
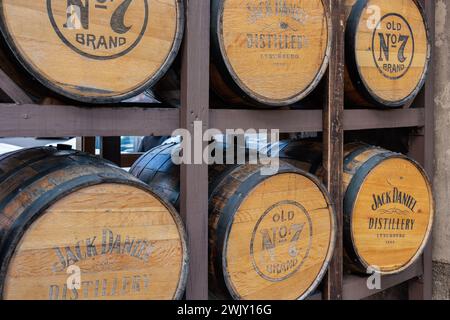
(25, 119)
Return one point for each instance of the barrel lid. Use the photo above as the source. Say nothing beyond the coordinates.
(276, 52)
(94, 52)
(388, 50)
(279, 239)
(390, 209)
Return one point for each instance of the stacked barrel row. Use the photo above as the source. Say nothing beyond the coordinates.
(264, 53)
(73, 226)
(271, 237)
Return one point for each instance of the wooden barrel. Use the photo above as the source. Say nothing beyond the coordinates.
(94, 51)
(388, 51)
(66, 216)
(388, 209)
(269, 52)
(388, 204)
(270, 237)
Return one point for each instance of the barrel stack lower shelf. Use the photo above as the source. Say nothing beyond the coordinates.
(22, 118)
(63, 120)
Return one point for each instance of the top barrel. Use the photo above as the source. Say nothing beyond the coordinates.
(94, 50)
(388, 52)
(270, 52)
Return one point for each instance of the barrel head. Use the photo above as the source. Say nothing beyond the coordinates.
(280, 240)
(94, 51)
(392, 214)
(108, 241)
(388, 50)
(275, 51)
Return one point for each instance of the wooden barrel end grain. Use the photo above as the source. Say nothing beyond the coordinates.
(67, 215)
(388, 52)
(273, 53)
(388, 209)
(388, 204)
(94, 51)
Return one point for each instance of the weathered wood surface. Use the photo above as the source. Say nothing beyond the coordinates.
(388, 204)
(272, 52)
(64, 213)
(94, 51)
(333, 141)
(388, 52)
(195, 107)
(61, 120)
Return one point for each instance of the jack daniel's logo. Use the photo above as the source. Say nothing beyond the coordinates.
(261, 9)
(112, 281)
(279, 20)
(99, 29)
(394, 196)
(107, 244)
(386, 204)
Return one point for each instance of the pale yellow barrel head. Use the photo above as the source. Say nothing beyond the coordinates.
(392, 215)
(391, 49)
(280, 240)
(115, 241)
(276, 51)
(94, 50)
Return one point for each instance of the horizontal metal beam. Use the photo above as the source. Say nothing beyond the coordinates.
(60, 120)
(355, 287)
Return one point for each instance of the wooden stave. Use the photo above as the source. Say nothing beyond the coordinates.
(227, 85)
(41, 88)
(294, 150)
(140, 170)
(356, 93)
(226, 184)
(103, 172)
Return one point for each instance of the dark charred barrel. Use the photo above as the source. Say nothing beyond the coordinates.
(247, 260)
(388, 51)
(94, 53)
(63, 211)
(388, 204)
